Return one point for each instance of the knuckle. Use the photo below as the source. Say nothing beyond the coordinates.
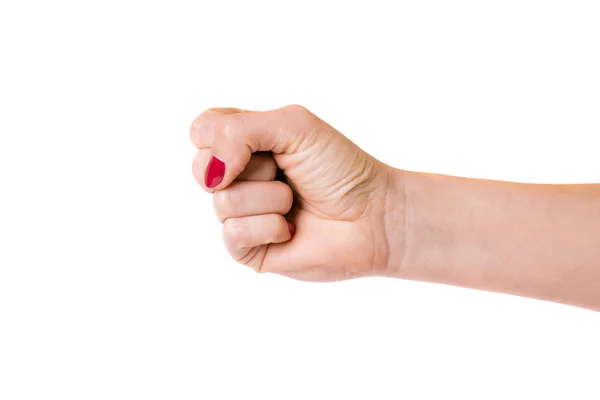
(227, 126)
(234, 233)
(233, 124)
(194, 129)
(300, 112)
(233, 196)
(224, 203)
(218, 206)
(213, 118)
(196, 123)
(297, 108)
(203, 125)
(200, 120)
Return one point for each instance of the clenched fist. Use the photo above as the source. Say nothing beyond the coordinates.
(295, 196)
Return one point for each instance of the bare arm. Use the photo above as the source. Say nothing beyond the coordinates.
(344, 215)
(540, 241)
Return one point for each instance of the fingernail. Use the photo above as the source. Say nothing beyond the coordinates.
(291, 228)
(215, 171)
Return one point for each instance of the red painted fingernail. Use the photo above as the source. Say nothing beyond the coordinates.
(215, 171)
(291, 228)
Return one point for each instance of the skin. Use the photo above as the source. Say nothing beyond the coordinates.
(352, 216)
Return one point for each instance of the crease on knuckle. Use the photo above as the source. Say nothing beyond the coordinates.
(235, 234)
(224, 202)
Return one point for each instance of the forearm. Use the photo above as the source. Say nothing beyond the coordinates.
(540, 241)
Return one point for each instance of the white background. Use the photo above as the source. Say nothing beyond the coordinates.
(114, 283)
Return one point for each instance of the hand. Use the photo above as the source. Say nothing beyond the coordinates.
(330, 216)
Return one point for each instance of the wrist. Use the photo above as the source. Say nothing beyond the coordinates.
(419, 234)
(396, 221)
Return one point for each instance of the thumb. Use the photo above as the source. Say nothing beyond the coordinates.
(237, 136)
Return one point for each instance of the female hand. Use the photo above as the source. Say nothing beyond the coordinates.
(328, 219)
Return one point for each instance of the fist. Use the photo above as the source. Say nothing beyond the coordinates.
(295, 196)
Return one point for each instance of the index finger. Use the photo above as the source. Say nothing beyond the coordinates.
(205, 125)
